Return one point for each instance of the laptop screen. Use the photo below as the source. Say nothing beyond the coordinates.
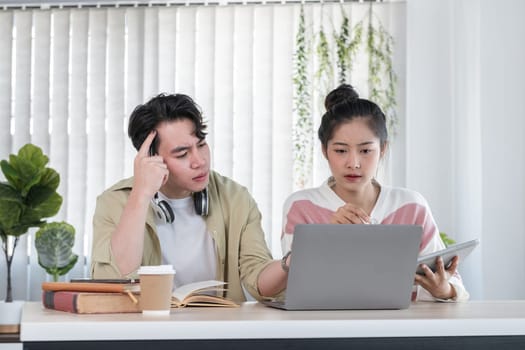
(352, 266)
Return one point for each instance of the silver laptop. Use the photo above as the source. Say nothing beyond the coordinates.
(351, 267)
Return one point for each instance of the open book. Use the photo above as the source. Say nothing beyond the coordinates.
(205, 293)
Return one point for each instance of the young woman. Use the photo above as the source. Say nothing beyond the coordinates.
(354, 139)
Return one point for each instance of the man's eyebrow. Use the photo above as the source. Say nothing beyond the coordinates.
(185, 148)
(179, 149)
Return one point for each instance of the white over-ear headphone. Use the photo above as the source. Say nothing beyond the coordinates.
(162, 210)
(164, 213)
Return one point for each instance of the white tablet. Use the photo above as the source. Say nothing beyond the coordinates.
(461, 249)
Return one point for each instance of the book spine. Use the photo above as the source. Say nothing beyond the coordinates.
(63, 301)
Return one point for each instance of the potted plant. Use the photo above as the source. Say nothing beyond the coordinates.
(26, 199)
(54, 243)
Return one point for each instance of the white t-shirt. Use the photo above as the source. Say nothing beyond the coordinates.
(186, 243)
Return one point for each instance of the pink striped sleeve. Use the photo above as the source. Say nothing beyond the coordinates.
(305, 212)
(414, 214)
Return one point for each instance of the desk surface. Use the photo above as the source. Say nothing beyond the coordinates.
(255, 321)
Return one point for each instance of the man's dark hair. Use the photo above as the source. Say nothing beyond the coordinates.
(163, 108)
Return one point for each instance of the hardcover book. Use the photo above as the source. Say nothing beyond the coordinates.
(90, 302)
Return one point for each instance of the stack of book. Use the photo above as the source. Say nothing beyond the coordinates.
(123, 296)
(92, 296)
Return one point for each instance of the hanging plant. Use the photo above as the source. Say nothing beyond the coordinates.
(347, 44)
(303, 126)
(377, 43)
(381, 75)
(325, 71)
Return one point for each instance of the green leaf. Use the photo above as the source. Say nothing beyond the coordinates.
(34, 155)
(9, 215)
(446, 239)
(9, 172)
(25, 169)
(19, 229)
(50, 207)
(9, 194)
(38, 195)
(50, 178)
(45, 189)
(21, 174)
(65, 269)
(54, 243)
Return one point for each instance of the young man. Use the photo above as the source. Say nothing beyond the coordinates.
(176, 210)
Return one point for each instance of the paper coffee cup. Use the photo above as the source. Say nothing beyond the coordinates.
(156, 284)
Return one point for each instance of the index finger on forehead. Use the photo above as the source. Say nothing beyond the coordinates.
(144, 148)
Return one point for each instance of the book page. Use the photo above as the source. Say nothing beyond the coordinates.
(183, 291)
(205, 300)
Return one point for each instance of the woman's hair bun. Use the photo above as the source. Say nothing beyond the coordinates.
(343, 93)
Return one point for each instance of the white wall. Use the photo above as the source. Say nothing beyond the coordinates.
(503, 120)
(465, 120)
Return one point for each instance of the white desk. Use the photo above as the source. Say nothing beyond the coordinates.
(456, 326)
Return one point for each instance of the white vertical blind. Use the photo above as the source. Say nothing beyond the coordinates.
(184, 47)
(22, 78)
(134, 72)
(96, 111)
(76, 74)
(242, 104)
(40, 80)
(6, 28)
(263, 83)
(222, 112)
(22, 102)
(168, 21)
(204, 67)
(75, 198)
(282, 97)
(151, 52)
(58, 101)
(115, 126)
(40, 63)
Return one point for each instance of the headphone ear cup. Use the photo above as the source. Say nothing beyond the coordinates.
(200, 199)
(162, 210)
(168, 212)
